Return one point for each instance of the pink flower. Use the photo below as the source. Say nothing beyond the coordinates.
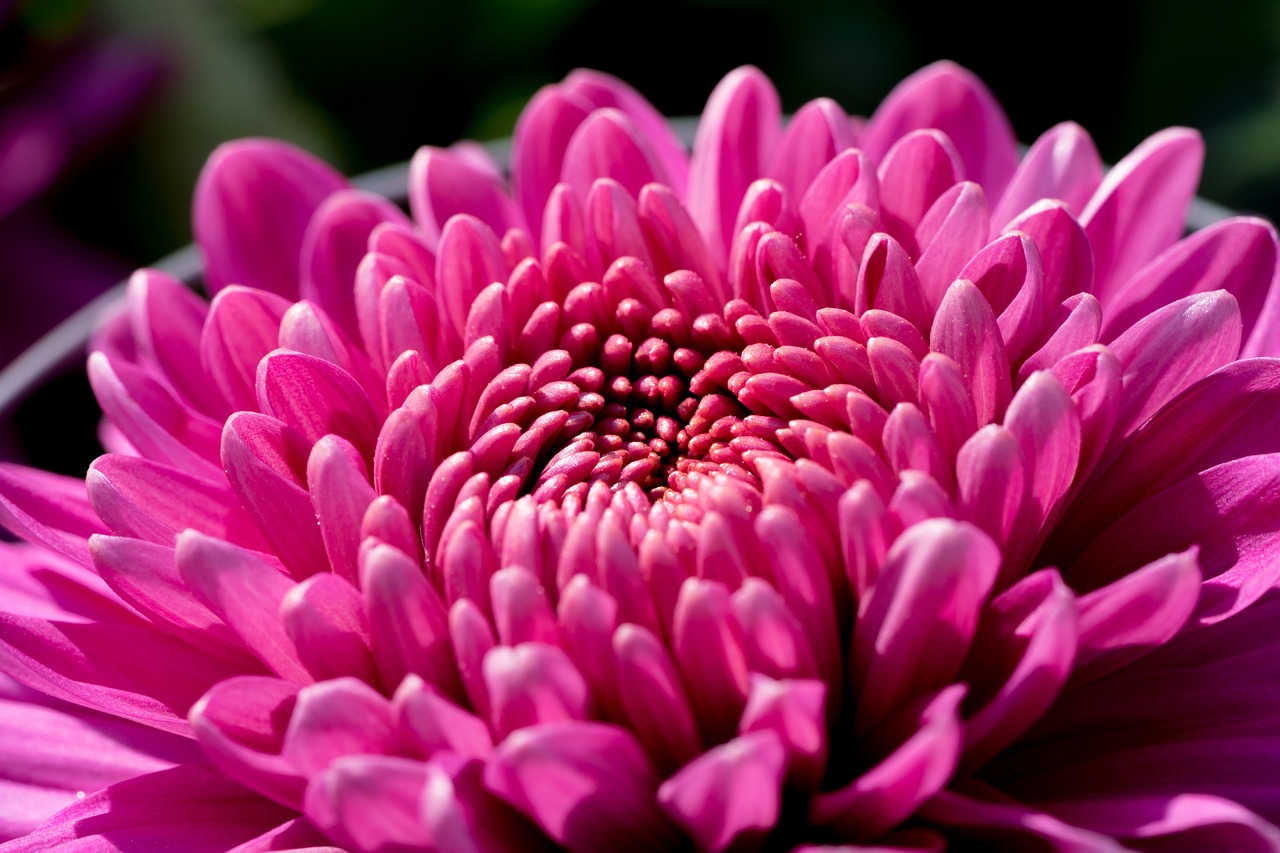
(841, 486)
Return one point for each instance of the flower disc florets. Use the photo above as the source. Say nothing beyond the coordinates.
(843, 486)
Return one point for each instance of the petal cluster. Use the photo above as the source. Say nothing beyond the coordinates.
(840, 484)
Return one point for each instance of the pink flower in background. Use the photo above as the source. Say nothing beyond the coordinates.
(840, 486)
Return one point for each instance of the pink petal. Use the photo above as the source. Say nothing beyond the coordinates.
(915, 625)
(729, 793)
(913, 174)
(1187, 820)
(333, 719)
(609, 145)
(587, 785)
(48, 508)
(1237, 255)
(1131, 616)
(266, 463)
(1065, 254)
(316, 398)
(887, 280)
(708, 647)
(540, 139)
(947, 97)
(1021, 659)
(992, 481)
(1010, 276)
(469, 260)
(1170, 349)
(335, 240)
(407, 619)
(987, 819)
(245, 592)
(736, 137)
(654, 699)
(1141, 206)
(431, 722)
(796, 711)
(915, 770)
(252, 205)
(188, 809)
(951, 232)
(1062, 164)
(966, 330)
(243, 326)
(443, 184)
(340, 493)
(532, 684)
(815, 135)
(127, 670)
(325, 619)
(166, 320)
(371, 802)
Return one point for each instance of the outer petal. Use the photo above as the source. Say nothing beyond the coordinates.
(252, 205)
(736, 137)
(949, 98)
(189, 809)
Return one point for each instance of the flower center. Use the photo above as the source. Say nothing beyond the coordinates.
(650, 406)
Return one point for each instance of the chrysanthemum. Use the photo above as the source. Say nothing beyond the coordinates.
(847, 486)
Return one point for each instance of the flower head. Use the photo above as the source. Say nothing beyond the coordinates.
(842, 485)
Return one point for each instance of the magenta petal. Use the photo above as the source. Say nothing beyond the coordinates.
(673, 238)
(243, 326)
(469, 260)
(252, 205)
(729, 792)
(1009, 273)
(1228, 512)
(340, 493)
(45, 585)
(609, 145)
(1022, 656)
(966, 330)
(604, 91)
(736, 137)
(796, 711)
(1062, 164)
(532, 684)
(815, 135)
(951, 99)
(1170, 349)
(48, 508)
(951, 232)
(156, 423)
(1237, 255)
(992, 481)
(1190, 821)
(918, 768)
(587, 785)
(333, 719)
(941, 568)
(246, 593)
(52, 753)
(146, 576)
(1141, 205)
(409, 625)
(335, 240)
(708, 646)
(371, 802)
(240, 724)
(266, 462)
(654, 699)
(1043, 417)
(166, 320)
(1225, 416)
(324, 617)
(1005, 821)
(442, 184)
(1133, 615)
(913, 174)
(146, 500)
(541, 137)
(431, 722)
(1065, 254)
(188, 809)
(316, 398)
(129, 671)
